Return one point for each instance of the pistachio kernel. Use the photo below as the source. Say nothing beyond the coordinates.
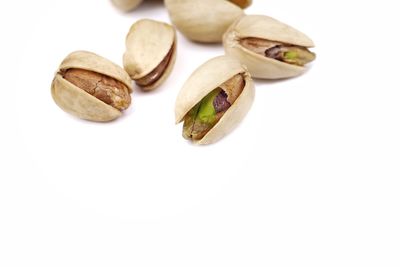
(291, 54)
(204, 115)
(104, 88)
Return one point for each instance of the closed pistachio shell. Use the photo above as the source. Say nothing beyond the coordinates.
(255, 27)
(202, 82)
(203, 20)
(78, 102)
(150, 52)
(126, 5)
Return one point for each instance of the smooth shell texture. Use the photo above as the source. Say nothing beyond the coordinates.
(75, 100)
(264, 27)
(147, 44)
(205, 79)
(126, 5)
(203, 20)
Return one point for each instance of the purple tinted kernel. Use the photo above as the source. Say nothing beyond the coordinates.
(221, 102)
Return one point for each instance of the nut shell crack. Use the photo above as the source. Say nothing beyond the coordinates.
(291, 54)
(157, 73)
(204, 115)
(104, 88)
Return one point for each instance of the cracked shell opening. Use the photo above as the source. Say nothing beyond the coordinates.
(158, 72)
(206, 114)
(104, 88)
(291, 54)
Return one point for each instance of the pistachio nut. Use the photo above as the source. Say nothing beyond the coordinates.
(126, 5)
(150, 52)
(91, 87)
(214, 100)
(269, 48)
(203, 20)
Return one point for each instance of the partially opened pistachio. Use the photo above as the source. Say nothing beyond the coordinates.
(91, 87)
(269, 48)
(203, 20)
(214, 100)
(126, 5)
(150, 52)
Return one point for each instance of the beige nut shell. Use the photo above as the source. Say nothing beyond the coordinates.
(203, 20)
(126, 5)
(147, 44)
(264, 27)
(75, 100)
(205, 79)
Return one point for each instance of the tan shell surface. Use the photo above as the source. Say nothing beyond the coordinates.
(77, 102)
(203, 20)
(206, 78)
(264, 27)
(126, 5)
(147, 44)
(167, 71)
(93, 62)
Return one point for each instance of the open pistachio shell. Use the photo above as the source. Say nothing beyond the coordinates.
(203, 20)
(206, 79)
(126, 5)
(150, 52)
(80, 103)
(264, 28)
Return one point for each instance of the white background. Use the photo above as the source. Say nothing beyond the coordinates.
(310, 178)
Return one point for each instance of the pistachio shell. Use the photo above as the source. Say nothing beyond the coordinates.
(203, 20)
(126, 5)
(148, 43)
(264, 27)
(205, 79)
(90, 61)
(78, 102)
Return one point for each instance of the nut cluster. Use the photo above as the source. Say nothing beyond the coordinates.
(93, 88)
(219, 93)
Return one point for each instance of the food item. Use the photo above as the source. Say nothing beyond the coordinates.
(203, 20)
(242, 3)
(91, 87)
(269, 48)
(150, 52)
(126, 5)
(214, 100)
